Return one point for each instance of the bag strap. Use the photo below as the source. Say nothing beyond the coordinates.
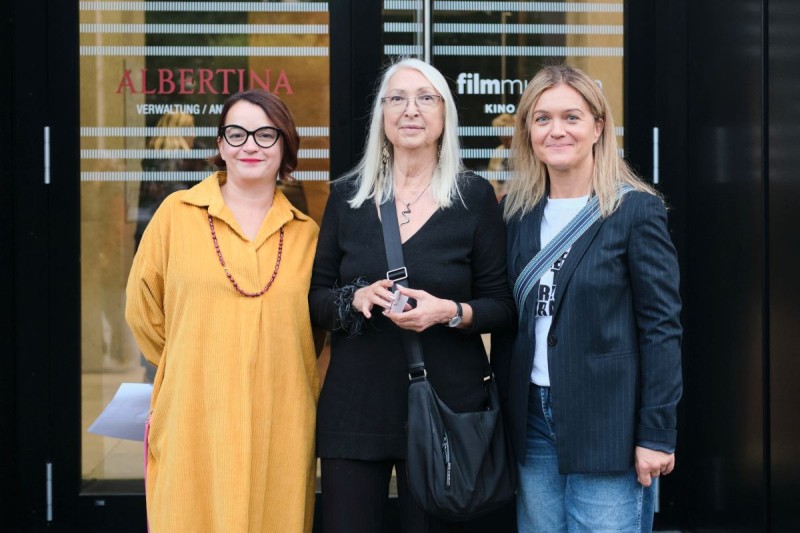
(398, 274)
(563, 241)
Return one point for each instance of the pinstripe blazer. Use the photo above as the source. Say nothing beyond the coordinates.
(614, 343)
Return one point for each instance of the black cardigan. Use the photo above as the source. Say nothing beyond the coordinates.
(459, 254)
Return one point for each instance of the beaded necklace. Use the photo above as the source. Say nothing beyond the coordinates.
(230, 276)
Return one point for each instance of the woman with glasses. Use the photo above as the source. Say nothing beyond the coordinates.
(217, 300)
(453, 240)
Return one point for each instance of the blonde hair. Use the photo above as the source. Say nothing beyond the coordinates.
(371, 184)
(530, 178)
(174, 142)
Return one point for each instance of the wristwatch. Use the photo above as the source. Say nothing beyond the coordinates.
(456, 320)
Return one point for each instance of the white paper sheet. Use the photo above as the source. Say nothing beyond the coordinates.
(125, 416)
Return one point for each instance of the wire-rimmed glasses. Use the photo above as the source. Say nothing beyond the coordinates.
(423, 101)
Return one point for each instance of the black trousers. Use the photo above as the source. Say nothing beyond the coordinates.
(355, 499)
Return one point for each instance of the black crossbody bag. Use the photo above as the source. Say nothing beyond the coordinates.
(459, 464)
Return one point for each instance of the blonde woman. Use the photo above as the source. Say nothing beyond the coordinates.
(593, 378)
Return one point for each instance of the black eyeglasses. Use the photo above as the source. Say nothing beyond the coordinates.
(236, 136)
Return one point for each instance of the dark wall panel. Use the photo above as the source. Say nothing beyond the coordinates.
(724, 356)
(29, 115)
(356, 53)
(784, 259)
(64, 274)
(9, 488)
(656, 96)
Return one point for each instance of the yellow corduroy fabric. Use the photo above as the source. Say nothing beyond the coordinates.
(234, 399)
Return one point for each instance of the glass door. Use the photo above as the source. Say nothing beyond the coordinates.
(489, 50)
(153, 78)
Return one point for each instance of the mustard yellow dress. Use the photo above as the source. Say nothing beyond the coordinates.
(231, 443)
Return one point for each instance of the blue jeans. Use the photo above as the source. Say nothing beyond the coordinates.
(551, 502)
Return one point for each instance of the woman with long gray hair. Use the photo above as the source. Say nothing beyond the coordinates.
(453, 240)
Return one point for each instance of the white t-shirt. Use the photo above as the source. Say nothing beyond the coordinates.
(557, 214)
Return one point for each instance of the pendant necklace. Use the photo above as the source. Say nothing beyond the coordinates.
(407, 211)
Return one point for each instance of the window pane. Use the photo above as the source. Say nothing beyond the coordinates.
(153, 79)
(489, 50)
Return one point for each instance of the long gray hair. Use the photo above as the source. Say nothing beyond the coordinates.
(444, 184)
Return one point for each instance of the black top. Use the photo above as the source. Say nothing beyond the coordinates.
(459, 254)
